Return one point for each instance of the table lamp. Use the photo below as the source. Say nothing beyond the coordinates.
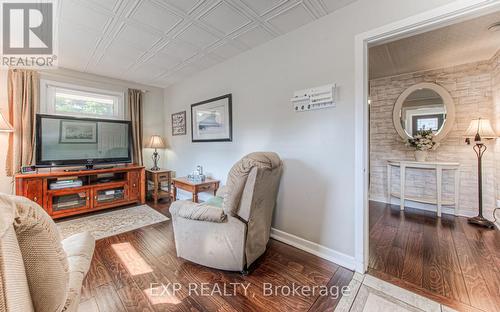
(480, 129)
(156, 142)
(4, 125)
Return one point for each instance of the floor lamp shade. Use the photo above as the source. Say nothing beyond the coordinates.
(480, 129)
(4, 125)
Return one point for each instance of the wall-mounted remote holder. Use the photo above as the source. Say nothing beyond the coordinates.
(314, 98)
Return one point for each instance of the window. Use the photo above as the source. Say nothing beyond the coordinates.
(427, 122)
(72, 100)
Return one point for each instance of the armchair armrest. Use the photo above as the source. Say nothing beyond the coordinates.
(201, 212)
(221, 191)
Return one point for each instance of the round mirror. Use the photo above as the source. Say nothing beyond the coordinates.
(424, 106)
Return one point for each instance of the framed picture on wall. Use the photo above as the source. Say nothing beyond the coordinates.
(73, 131)
(179, 123)
(211, 120)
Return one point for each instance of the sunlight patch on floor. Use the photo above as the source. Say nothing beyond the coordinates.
(131, 259)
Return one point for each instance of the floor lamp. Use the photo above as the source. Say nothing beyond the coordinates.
(156, 142)
(480, 129)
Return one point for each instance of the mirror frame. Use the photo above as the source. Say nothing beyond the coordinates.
(448, 104)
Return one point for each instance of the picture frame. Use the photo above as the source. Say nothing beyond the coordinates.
(211, 120)
(179, 123)
(75, 131)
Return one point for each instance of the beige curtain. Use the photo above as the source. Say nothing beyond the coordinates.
(135, 104)
(24, 96)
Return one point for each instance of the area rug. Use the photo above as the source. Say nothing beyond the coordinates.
(112, 223)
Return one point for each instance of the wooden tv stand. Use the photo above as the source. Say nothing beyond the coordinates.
(101, 189)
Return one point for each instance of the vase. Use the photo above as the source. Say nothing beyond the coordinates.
(421, 155)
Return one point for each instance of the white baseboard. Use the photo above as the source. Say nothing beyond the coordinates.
(427, 207)
(316, 249)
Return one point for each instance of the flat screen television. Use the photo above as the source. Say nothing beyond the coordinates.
(70, 141)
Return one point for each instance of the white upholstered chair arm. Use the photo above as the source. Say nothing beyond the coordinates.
(222, 191)
(201, 212)
(79, 249)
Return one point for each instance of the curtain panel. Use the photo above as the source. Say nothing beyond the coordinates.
(135, 105)
(23, 97)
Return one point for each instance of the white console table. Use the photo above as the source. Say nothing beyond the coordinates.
(438, 167)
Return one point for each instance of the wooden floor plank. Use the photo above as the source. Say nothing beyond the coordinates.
(454, 286)
(340, 279)
(116, 268)
(485, 285)
(457, 305)
(445, 259)
(382, 247)
(413, 260)
(107, 299)
(96, 276)
(164, 275)
(479, 294)
(133, 299)
(448, 259)
(130, 269)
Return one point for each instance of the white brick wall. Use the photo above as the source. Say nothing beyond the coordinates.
(472, 87)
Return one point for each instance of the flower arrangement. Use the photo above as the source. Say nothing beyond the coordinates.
(422, 141)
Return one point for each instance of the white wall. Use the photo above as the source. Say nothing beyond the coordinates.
(316, 200)
(153, 108)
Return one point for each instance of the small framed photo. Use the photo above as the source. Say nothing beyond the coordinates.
(179, 123)
(74, 131)
(211, 120)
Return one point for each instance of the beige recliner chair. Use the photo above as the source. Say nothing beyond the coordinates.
(38, 271)
(231, 230)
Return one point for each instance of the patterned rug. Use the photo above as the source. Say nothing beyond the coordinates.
(112, 223)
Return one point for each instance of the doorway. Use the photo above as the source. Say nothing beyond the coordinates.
(386, 257)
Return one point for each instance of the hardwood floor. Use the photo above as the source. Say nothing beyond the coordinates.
(125, 267)
(447, 259)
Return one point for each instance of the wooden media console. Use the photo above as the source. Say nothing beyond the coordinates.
(100, 189)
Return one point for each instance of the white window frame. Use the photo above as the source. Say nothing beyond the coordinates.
(47, 99)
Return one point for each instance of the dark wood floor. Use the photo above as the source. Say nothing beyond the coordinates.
(447, 259)
(125, 266)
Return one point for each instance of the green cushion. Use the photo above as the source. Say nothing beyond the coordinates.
(215, 201)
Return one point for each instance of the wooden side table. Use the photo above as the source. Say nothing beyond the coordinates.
(158, 177)
(209, 185)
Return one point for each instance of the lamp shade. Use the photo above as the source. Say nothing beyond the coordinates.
(156, 141)
(481, 127)
(4, 125)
